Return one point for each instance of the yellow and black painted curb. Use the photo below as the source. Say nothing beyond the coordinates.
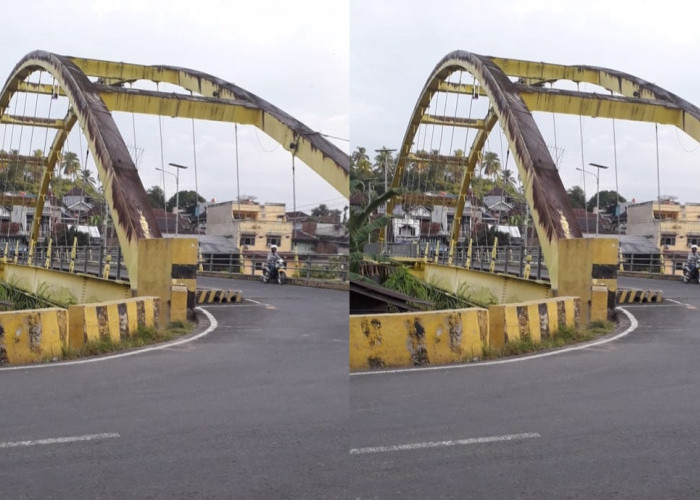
(632, 296)
(417, 338)
(220, 296)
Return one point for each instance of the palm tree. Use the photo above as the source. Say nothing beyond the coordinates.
(70, 164)
(360, 161)
(508, 179)
(490, 164)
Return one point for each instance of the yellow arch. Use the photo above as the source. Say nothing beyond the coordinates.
(515, 89)
(91, 103)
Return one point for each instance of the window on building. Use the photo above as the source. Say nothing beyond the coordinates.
(668, 240)
(274, 240)
(247, 240)
(693, 240)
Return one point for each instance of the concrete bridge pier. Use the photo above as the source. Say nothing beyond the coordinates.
(586, 265)
(167, 268)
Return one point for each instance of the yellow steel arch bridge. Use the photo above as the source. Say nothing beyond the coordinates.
(515, 89)
(96, 88)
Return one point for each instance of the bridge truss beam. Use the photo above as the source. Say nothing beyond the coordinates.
(515, 89)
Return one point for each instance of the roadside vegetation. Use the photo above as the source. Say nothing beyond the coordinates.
(566, 336)
(144, 336)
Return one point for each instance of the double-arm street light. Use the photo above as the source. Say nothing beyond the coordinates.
(597, 195)
(177, 192)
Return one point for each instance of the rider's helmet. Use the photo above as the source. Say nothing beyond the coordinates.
(273, 248)
(694, 247)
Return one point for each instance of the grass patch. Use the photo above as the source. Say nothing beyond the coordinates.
(142, 337)
(564, 337)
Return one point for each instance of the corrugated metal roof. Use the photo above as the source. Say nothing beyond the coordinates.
(631, 244)
(216, 244)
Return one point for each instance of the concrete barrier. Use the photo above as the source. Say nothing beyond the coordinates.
(630, 296)
(221, 296)
(417, 338)
(32, 335)
(114, 319)
(537, 319)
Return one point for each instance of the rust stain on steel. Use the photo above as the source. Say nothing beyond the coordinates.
(315, 139)
(128, 197)
(537, 169)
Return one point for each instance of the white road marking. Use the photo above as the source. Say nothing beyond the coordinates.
(212, 326)
(60, 440)
(633, 326)
(444, 444)
(688, 306)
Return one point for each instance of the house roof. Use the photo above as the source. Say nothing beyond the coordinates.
(216, 244)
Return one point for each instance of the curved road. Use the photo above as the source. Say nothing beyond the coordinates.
(255, 409)
(620, 420)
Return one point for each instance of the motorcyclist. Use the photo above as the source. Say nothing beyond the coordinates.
(272, 257)
(693, 260)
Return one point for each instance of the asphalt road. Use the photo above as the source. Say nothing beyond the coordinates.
(256, 409)
(619, 420)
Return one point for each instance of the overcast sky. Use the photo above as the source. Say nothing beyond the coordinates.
(295, 55)
(395, 46)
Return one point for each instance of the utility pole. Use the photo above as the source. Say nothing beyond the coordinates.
(386, 152)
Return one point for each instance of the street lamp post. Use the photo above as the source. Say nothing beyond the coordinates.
(597, 194)
(177, 192)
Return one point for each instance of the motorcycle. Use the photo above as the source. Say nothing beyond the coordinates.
(279, 272)
(690, 274)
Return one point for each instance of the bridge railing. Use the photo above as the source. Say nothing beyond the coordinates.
(94, 259)
(311, 266)
(514, 259)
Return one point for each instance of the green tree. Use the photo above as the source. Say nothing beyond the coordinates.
(360, 163)
(156, 197)
(490, 164)
(323, 211)
(70, 164)
(608, 202)
(187, 201)
(576, 197)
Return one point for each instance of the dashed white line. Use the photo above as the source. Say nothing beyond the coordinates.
(633, 326)
(60, 440)
(444, 444)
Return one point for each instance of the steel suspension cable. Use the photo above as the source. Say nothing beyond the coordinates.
(583, 167)
(196, 183)
(617, 188)
(238, 179)
(162, 164)
(658, 173)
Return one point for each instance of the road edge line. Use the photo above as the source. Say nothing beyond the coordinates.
(213, 324)
(633, 326)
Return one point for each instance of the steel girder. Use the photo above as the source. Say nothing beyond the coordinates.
(516, 88)
(94, 88)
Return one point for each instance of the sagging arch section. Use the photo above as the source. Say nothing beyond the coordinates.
(515, 89)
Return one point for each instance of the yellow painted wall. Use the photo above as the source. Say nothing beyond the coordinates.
(33, 335)
(164, 263)
(417, 338)
(583, 260)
